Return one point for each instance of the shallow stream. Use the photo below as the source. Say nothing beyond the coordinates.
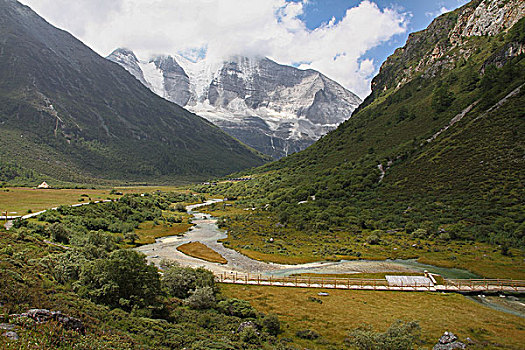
(207, 232)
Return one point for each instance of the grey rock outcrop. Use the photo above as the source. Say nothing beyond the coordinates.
(176, 81)
(127, 59)
(7, 326)
(10, 328)
(449, 341)
(490, 17)
(440, 46)
(44, 315)
(11, 335)
(246, 324)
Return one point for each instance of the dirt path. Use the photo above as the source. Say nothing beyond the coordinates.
(9, 223)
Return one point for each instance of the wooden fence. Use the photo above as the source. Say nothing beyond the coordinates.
(449, 285)
(491, 285)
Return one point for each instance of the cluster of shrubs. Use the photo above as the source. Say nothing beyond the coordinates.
(95, 267)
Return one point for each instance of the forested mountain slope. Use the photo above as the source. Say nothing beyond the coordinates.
(437, 146)
(70, 114)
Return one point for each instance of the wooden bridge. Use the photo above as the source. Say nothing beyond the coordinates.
(396, 283)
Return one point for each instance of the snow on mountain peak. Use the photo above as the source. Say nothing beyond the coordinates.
(274, 108)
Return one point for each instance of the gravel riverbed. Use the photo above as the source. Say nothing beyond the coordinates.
(207, 232)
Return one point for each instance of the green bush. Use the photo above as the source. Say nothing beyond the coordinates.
(399, 336)
(201, 298)
(180, 281)
(59, 233)
(373, 239)
(307, 334)
(442, 98)
(271, 324)
(212, 345)
(420, 233)
(236, 307)
(249, 335)
(124, 280)
(180, 207)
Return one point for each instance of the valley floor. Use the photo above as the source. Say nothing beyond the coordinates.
(335, 315)
(258, 235)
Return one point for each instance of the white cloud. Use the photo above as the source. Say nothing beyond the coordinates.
(438, 12)
(444, 9)
(270, 28)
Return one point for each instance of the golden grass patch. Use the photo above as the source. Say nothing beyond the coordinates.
(201, 251)
(373, 275)
(149, 231)
(343, 310)
(222, 209)
(19, 200)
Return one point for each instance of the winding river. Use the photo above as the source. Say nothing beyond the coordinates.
(207, 232)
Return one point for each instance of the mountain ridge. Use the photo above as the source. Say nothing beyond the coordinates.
(276, 109)
(378, 170)
(90, 118)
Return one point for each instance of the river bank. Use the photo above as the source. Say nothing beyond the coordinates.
(206, 232)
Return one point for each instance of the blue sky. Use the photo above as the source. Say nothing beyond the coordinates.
(349, 49)
(420, 15)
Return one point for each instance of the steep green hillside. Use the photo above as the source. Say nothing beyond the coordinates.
(70, 114)
(390, 168)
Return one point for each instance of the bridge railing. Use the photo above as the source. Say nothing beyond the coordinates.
(483, 284)
(458, 285)
(313, 281)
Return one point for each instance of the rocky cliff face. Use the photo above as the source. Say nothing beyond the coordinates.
(446, 42)
(489, 17)
(274, 108)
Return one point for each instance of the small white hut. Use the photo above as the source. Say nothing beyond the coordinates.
(43, 185)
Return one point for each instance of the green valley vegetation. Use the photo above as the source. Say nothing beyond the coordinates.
(431, 163)
(75, 260)
(69, 115)
(370, 320)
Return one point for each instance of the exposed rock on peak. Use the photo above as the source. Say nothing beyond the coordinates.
(440, 46)
(127, 59)
(490, 17)
(274, 108)
(176, 81)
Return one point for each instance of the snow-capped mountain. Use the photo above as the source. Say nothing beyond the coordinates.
(274, 108)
